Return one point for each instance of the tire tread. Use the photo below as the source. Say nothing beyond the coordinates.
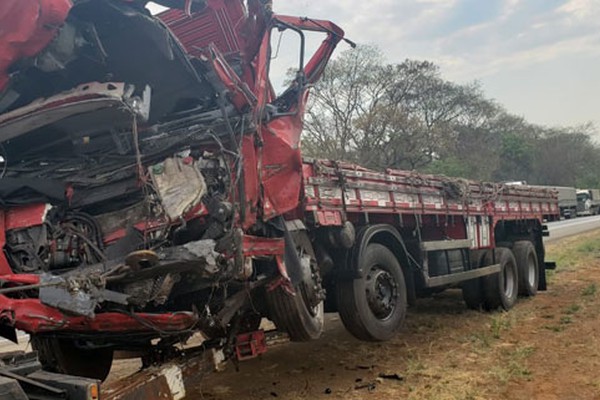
(521, 250)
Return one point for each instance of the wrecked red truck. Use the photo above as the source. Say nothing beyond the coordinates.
(147, 166)
(153, 186)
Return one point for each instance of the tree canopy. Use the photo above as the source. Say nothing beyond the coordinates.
(407, 116)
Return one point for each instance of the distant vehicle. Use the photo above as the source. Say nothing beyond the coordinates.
(567, 201)
(516, 183)
(588, 202)
(567, 198)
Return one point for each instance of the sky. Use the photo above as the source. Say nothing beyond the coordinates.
(540, 59)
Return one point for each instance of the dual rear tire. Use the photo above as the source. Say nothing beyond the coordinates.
(519, 275)
(527, 262)
(502, 289)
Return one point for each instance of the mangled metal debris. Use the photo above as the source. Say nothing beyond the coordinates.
(137, 199)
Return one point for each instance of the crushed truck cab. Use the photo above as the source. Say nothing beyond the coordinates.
(146, 167)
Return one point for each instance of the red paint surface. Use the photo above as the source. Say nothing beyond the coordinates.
(32, 316)
(250, 345)
(254, 246)
(23, 217)
(251, 181)
(22, 279)
(26, 28)
(281, 158)
(228, 25)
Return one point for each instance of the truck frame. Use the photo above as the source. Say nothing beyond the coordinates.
(154, 187)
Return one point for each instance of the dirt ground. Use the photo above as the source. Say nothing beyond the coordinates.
(545, 348)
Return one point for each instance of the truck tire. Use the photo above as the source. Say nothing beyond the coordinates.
(373, 307)
(292, 314)
(502, 289)
(528, 267)
(298, 315)
(472, 290)
(64, 357)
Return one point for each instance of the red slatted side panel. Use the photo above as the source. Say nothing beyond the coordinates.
(218, 24)
(408, 192)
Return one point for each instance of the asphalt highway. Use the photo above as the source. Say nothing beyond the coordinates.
(570, 227)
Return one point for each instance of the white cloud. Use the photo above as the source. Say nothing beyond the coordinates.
(581, 9)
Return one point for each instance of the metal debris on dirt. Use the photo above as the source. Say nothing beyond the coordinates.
(394, 377)
(369, 386)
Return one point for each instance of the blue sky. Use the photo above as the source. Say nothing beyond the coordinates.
(539, 58)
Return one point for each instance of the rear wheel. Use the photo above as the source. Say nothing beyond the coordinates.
(501, 290)
(527, 265)
(373, 307)
(65, 357)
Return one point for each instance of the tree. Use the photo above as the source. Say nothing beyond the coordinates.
(407, 116)
(567, 157)
(397, 115)
(351, 87)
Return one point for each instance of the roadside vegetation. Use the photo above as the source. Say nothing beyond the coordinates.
(508, 355)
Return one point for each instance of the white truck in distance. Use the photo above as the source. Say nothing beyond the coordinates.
(588, 202)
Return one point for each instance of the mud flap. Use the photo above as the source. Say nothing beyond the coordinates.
(550, 265)
(542, 283)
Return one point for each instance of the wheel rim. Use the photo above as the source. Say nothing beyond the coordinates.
(313, 309)
(311, 295)
(509, 281)
(382, 292)
(531, 273)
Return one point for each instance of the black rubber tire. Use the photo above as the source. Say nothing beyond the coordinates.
(292, 315)
(502, 289)
(353, 306)
(63, 356)
(472, 290)
(528, 267)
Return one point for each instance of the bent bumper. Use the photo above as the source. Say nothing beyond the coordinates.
(31, 316)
